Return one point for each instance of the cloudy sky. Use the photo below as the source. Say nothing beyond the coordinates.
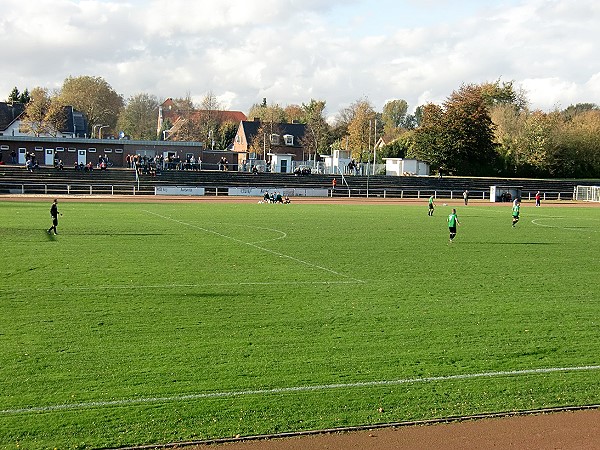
(290, 51)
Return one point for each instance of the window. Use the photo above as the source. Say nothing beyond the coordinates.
(238, 139)
(71, 149)
(275, 139)
(92, 150)
(60, 149)
(118, 150)
(108, 150)
(3, 147)
(39, 149)
(288, 139)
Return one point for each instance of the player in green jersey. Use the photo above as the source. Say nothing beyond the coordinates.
(431, 206)
(452, 224)
(516, 209)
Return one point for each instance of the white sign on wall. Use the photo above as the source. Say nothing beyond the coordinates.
(178, 190)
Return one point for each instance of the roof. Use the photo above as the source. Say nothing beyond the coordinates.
(9, 112)
(297, 130)
(170, 112)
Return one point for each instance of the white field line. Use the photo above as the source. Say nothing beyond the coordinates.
(258, 247)
(284, 390)
(570, 228)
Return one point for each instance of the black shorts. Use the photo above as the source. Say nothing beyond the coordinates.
(430, 206)
(452, 229)
(55, 221)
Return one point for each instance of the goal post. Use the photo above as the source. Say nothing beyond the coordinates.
(587, 193)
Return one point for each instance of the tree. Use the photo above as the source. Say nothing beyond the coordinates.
(469, 132)
(226, 134)
(428, 141)
(35, 118)
(14, 95)
(394, 117)
(139, 116)
(95, 98)
(185, 128)
(398, 148)
(24, 97)
(504, 93)
(508, 128)
(266, 113)
(316, 138)
(294, 113)
(360, 130)
(458, 137)
(209, 119)
(44, 115)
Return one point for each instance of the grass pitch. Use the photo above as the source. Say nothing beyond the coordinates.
(158, 322)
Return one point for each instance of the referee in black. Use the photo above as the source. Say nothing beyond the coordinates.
(54, 214)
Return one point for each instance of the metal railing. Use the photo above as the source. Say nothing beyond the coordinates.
(68, 189)
(79, 188)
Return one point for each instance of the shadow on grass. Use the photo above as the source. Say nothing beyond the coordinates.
(513, 243)
(50, 236)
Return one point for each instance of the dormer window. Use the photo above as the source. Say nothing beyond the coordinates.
(288, 139)
(275, 139)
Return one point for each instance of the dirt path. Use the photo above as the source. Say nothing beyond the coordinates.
(576, 430)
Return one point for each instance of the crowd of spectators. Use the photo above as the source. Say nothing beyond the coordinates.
(154, 165)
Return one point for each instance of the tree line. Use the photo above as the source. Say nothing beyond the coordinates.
(479, 130)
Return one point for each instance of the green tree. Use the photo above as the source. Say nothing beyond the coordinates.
(317, 137)
(139, 116)
(14, 95)
(24, 97)
(226, 134)
(427, 142)
(95, 98)
(398, 148)
(394, 117)
(469, 132)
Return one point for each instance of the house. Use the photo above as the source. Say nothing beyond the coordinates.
(406, 167)
(277, 147)
(10, 115)
(171, 118)
(11, 122)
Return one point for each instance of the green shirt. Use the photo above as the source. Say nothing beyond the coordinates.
(431, 200)
(515, 210)
(452, 220)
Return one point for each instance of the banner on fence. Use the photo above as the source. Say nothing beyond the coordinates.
(178, 190)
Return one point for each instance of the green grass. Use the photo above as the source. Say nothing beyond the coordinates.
(154, 323)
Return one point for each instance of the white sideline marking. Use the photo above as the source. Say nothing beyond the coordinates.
(255, 245)
(322, 387)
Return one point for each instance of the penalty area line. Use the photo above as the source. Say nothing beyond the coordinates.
(284, 390)
(258, 247)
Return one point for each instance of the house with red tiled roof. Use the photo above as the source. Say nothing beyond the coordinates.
(171, 117)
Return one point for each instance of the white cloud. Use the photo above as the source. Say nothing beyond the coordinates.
(291, 51)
